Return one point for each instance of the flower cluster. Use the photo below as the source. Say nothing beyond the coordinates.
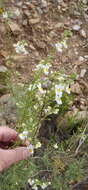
(35, 183)
(43, 67)
(40, 88)
(58, 93)
(24, 136)
(59, 89)
(8, 14)
(20, 47)
(5, 15)
(38, 145)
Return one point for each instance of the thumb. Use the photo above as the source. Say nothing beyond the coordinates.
(9, 157)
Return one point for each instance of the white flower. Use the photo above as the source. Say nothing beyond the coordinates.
(59, 87)
(31, 181)
(58, 93)
(31, 87)
(23, 135)
(44, 185)
(58, 100)
(68, 90)
(40, 88)
(20, 47)
(38, 145)
(30, 149)
(36, 107)
(59, 47)
(48, 109)
(61, 78)
(55, 146)
(35, 187)
(45, 68)
(49, 183)
(5, 15)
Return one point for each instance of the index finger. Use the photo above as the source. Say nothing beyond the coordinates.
(7, 134)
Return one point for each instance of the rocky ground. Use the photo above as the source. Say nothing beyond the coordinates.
(43, 23)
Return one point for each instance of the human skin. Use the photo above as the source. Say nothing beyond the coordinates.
(10, 156)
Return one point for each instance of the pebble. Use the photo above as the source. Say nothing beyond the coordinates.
(25, 22)
(39, 10)
(43, 4)
(14, 27)
(34, 21)
(75, 88)
(83, 33)
(3, 69)
(86, 56)
(59, 25)
(76, 27)
(81, 58)
(85, 1)
(83, 71)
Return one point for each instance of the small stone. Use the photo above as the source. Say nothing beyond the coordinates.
(34, 21)
(14, 27)
(75, 88)
(76, 27)
(3, 69)
(25, 22)
(86, 56)
(59, 25)
(31, 47)
(81, 58)
(39, 10)
(52, 34)
(59, 7)
(27, 13)
(43, 4)
(19, 4)
(76, 13)
(82, 107)
(83, 33)
(85, 1)
(83, 71)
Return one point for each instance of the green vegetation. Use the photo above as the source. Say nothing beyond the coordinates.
(47, 95)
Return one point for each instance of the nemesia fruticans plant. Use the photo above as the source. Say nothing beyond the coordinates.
(48, 93)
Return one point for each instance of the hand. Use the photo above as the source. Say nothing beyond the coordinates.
(11, 156)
